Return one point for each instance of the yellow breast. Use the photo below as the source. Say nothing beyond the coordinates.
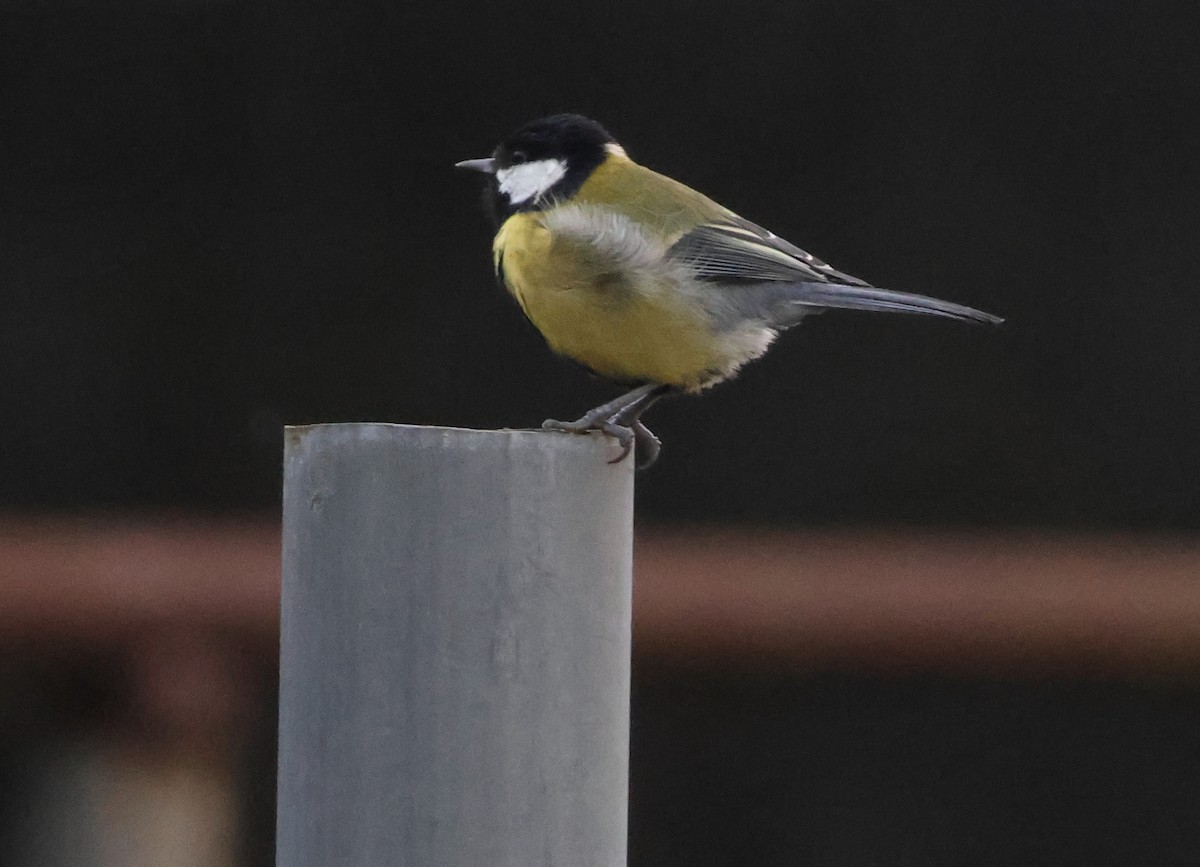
(628, 326)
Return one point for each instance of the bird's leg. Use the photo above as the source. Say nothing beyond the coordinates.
(619, 419)
(590, 420)
(629, 414)
(647, 444)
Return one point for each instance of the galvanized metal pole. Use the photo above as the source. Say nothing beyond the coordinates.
(454, 659)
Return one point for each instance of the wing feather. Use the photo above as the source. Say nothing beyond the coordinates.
(733, 250)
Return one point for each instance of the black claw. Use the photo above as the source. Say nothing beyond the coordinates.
(624, 437)
(625, 450)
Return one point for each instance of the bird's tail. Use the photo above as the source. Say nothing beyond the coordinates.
(843, 297)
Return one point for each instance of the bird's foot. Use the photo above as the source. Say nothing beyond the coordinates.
(623, 435)
(627, 435)
(584, 424)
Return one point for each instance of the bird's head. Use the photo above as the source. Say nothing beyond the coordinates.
(544, 162)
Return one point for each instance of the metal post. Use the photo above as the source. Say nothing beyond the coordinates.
(454, 658)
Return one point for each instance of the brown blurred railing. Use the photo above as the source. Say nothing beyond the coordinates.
(958, 602)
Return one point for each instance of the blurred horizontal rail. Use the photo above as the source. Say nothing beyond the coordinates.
(912, 600)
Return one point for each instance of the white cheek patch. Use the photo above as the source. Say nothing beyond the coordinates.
(530, 180)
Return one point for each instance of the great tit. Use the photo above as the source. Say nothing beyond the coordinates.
(645, 281)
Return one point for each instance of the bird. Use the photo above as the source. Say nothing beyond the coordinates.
(645, 281)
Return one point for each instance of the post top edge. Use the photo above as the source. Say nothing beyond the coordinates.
(427, 435)
(360, 426)
(392, 424)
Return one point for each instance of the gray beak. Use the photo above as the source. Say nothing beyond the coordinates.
(486, 165)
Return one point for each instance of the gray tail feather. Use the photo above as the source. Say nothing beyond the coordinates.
(842, 297)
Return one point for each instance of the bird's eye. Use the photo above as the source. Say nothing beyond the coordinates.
(519, 157)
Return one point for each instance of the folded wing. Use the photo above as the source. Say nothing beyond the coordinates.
(781, 283)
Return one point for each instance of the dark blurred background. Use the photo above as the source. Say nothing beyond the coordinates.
(221, 217)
